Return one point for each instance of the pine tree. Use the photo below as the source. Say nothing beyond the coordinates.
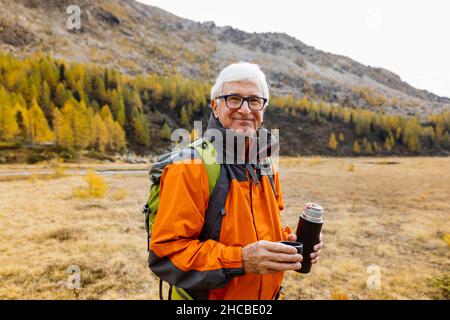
(136, 101)
(98, 90)
(389, 142)
(62, 130)
(166, 133)
(62, 95)
(368, 147)
(21, 115)
(141, 129)
(101, 133)
(8, 124)
(118, 107)
(440, 131)
(45, 100)
(39, 130)
(107, 118)
(304, 104)
(118, 136)
(376, 147)
(75, 115)
(411, 134)
(356, 147)
(184, 118)
(332, 143)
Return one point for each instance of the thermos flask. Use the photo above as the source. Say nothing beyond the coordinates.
(308, 231)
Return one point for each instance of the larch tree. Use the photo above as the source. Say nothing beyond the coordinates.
(356, 147)
(8, 124)
(62, 130)
(141, 129)
(39, 130)
(184, 117)
(166, 133)
(101, 133)
(332, 142)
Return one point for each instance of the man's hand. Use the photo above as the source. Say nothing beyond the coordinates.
(265, 257)
(317, 248)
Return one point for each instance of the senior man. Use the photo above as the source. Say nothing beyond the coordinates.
(236, 254)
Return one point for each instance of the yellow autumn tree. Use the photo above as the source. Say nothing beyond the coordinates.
(8, 123)
(166, 133)
(75, 115)
(21, 116)
(38, 130)
(108, 120)
(332, 142)
(62, 130)
(100, 133)
(367, 146)
(389, 142)
(118, 107)
(411, 134)
(356, 147)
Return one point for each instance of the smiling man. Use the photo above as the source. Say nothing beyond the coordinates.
(225, 244)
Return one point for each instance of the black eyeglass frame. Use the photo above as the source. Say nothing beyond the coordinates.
(225, 97)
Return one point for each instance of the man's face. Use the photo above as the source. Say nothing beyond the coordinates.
(243, 119)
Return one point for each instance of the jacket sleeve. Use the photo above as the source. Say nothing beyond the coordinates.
(285, 231)
(176, 254)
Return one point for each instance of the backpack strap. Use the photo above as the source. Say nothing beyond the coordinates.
(207, 153)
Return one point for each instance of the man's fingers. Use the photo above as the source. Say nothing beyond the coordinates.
(283, 257)
(292, 237)
(312, 255)
(279, 247)
(276, 266)
(318, 246)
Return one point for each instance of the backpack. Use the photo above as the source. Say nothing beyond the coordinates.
(207, 152)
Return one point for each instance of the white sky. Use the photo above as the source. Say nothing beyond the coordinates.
(408, 37)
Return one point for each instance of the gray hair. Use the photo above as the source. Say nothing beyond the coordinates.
(241, 71)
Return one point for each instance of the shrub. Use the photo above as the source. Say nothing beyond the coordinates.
(96, 187)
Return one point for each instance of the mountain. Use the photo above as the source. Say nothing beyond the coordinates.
(136, 38)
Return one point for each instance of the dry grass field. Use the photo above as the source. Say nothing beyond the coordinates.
(391, 213)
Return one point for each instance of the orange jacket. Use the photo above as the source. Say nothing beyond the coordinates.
(212, 268)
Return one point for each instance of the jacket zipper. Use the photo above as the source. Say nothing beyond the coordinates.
(254, 225)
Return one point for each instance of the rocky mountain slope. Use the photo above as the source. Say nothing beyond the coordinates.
(136, 38)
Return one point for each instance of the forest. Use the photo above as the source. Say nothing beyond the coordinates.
(81, 107)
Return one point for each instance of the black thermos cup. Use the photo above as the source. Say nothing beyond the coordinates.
(308, 231)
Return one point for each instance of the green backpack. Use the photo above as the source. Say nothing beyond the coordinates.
(207, 153)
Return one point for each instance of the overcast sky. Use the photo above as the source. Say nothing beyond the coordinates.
(408, 37)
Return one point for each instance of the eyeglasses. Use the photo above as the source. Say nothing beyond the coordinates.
(235, 101)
